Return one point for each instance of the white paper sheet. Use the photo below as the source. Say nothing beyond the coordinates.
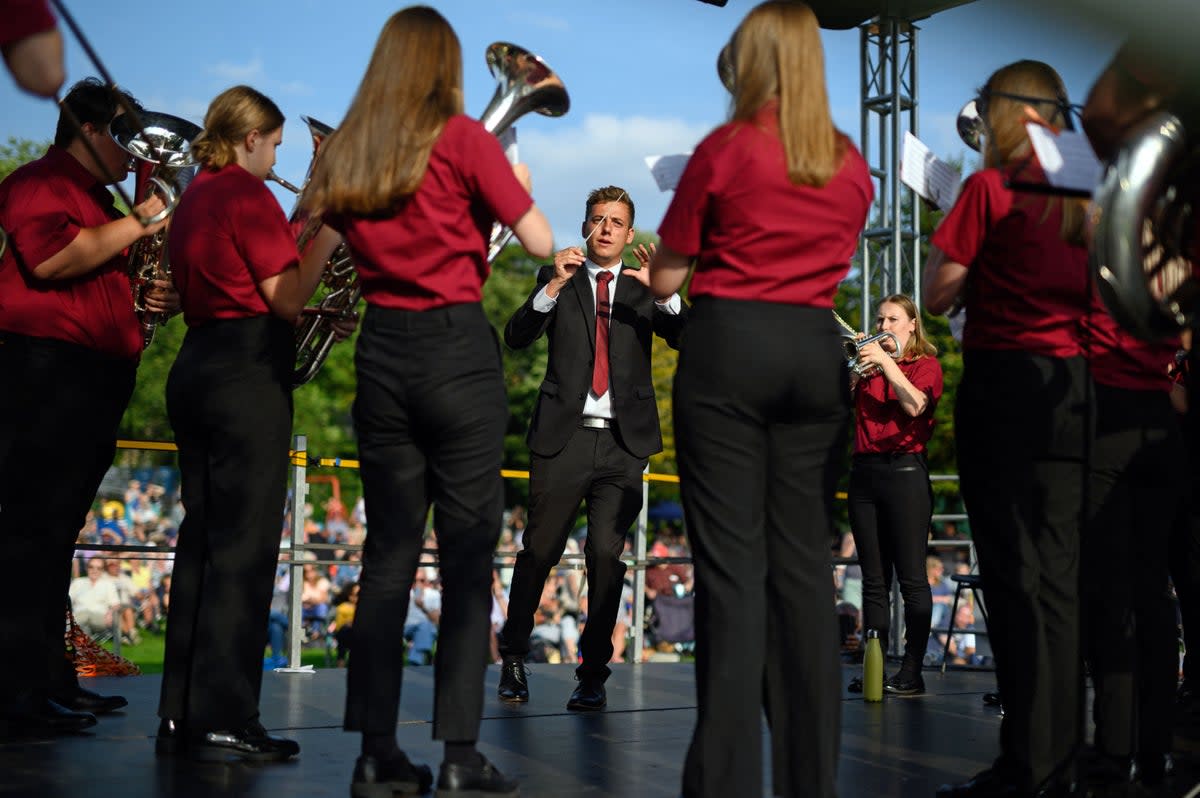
(667, 169)
(1066, 157)
(930, 177)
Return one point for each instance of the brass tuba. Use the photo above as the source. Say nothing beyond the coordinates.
(524, 83)
(1140, 226)
(164, 143)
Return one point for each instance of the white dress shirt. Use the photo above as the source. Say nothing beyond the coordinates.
(601, 406)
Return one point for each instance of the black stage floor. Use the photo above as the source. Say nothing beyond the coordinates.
(902, 747)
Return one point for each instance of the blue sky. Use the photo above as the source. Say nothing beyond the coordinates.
(640, 73)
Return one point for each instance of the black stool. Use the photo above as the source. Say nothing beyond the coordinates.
(974, 583)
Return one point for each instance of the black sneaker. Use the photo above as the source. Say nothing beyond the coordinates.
(514, 687)
(384, 778)
(473, 781)
(855, 686)
(903, 684)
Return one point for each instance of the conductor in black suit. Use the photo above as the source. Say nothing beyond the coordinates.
(594, 426)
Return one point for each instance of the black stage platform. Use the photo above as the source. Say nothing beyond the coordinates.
(902, 747)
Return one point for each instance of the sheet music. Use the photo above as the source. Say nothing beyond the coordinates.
(508, 142)
(1066, 158)
(667, 169)
(930, 177)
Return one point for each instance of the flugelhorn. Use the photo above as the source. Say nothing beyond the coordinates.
(164, 142)
(852, 345)
(1140, 226)
(971, 126)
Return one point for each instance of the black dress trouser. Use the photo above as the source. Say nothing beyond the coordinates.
(1135, 493)
(1020, 423)
(889, 506)
(596, 467)
(60, 409)
(430, 416)
(760, 425)
(229, 399)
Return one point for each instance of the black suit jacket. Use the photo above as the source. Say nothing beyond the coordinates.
(571, 328)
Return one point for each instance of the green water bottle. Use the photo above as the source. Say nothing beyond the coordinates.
(873, 668)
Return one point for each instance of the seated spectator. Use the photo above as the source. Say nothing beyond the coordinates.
(424, 613)
(555, 635)
(128, 604)
(499, 615)
(277, 627)
(942, 589)
(342, 626)
(315, 593)
(962, 642)
(94, 599)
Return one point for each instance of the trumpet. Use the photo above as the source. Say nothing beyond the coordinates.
(853, 345)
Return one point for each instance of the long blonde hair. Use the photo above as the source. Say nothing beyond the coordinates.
(380, 152)
(918, 345)
(776, 53)
(231, 116)
(1006, 93)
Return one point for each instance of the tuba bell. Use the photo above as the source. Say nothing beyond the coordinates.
(1140, 226)
(970, 126)
(524, 84)
(162, 150)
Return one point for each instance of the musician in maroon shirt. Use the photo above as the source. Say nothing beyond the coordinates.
(770, 205)
(1020, 422)
(1137, 488)
(229, 396)
(415, 187)
(32, 46)
(890, 498)
(69, 349)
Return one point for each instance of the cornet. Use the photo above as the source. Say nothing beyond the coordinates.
(852, 345)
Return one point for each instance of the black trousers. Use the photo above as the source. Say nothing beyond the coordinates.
(890, 505)
(760, 425)
(430, 414)
(593, 467)
(230, 403)
(1135, 493)
(1184, 546)
(1021, 422)
(60, 409)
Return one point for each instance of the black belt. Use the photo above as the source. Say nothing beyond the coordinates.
(887, 457)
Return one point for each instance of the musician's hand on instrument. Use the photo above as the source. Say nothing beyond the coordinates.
(161, 297)
(148, 208)
(873, 354)
(521, 171)
(344, 326)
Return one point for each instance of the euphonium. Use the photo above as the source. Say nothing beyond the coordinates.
(1140, 223)
(852, 344)
(524, 83)
(164, 143)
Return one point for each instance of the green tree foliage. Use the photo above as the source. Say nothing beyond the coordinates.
(18, 152)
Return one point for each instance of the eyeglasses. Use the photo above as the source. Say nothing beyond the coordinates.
(1067, 109)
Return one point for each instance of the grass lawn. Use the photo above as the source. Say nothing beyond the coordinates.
(148, 654)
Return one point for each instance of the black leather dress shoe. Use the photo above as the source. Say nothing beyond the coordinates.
(900, 684)
(40, 717)
(383, 778)
(170, 738)
(514, 686)
(79, 699)
(589, 696)
(472, 781)
(251, 743)
(991, 699)
(988, 784)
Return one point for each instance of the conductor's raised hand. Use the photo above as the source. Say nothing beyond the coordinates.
(643, 253)
(566, 263)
